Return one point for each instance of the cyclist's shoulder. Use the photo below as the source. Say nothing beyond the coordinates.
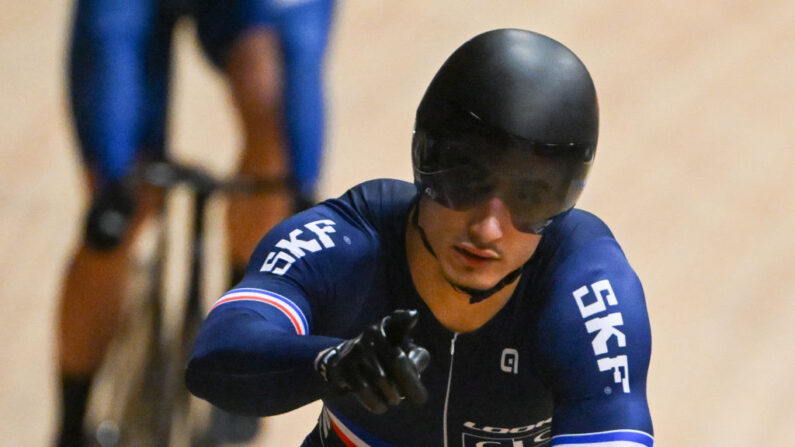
(381, 195)
(576, 243)
(345, 236)
(576, 229)
(380, 204)
(580, 263)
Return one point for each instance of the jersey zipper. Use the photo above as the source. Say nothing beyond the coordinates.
(449, 380)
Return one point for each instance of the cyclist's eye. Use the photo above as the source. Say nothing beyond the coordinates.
(464, 195)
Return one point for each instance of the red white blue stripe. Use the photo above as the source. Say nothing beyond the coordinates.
(287, 307)
(350, 435)
(615, 438)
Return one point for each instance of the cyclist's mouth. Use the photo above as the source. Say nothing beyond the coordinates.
(475, 257)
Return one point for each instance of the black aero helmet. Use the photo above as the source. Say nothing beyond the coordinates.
(511, 113)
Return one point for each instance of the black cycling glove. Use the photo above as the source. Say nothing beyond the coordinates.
(381, 366)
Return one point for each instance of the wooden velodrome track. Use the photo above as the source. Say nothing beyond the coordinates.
(693, 174)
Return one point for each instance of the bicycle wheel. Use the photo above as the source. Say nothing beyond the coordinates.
(125, 398)
(139, 396)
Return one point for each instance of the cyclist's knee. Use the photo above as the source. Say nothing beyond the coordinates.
(109, 216)
(117, 209)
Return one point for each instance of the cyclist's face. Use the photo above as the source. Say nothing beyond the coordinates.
(476, 247)
(534, 185)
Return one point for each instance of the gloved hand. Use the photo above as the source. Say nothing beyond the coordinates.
(109, 216)
(381, 366)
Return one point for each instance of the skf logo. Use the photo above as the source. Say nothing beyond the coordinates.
(293, 249)
(509, 362)
(591, 304)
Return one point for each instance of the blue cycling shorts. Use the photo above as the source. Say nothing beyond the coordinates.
(120, 65)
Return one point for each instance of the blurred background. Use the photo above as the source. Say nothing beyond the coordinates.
(693, 174)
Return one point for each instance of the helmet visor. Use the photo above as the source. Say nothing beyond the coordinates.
(536, 182)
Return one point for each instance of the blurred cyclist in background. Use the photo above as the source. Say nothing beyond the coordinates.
(271, 53)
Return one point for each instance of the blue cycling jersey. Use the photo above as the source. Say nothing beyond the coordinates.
(120, 65)
(564, 363)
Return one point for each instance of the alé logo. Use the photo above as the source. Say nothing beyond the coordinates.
(509, 361)
(297, 245)
(593, 305)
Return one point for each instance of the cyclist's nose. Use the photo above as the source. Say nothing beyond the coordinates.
(489, 220)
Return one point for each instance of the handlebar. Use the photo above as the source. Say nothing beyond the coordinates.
(167, 175)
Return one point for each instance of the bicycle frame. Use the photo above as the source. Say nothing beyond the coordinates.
(160, 402)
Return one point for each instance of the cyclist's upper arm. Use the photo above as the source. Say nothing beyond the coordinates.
(256, 349)
(595, 343)
(310, 273)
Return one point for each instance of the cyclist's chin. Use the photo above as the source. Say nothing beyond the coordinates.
(484, 278)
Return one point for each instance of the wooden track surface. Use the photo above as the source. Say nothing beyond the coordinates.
(693, 174)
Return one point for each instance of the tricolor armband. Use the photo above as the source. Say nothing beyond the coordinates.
(290, 310)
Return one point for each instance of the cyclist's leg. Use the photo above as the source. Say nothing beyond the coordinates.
(89, 308)
(241, 40)
(107, 75)
(238, 37)
(254, 75)
(304, 34)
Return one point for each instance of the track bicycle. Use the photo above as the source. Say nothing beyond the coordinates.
(139, 397)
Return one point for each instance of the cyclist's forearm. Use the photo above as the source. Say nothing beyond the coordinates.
(245, 364)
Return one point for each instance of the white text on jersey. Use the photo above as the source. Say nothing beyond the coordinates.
(605, 328)
(293, 249)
